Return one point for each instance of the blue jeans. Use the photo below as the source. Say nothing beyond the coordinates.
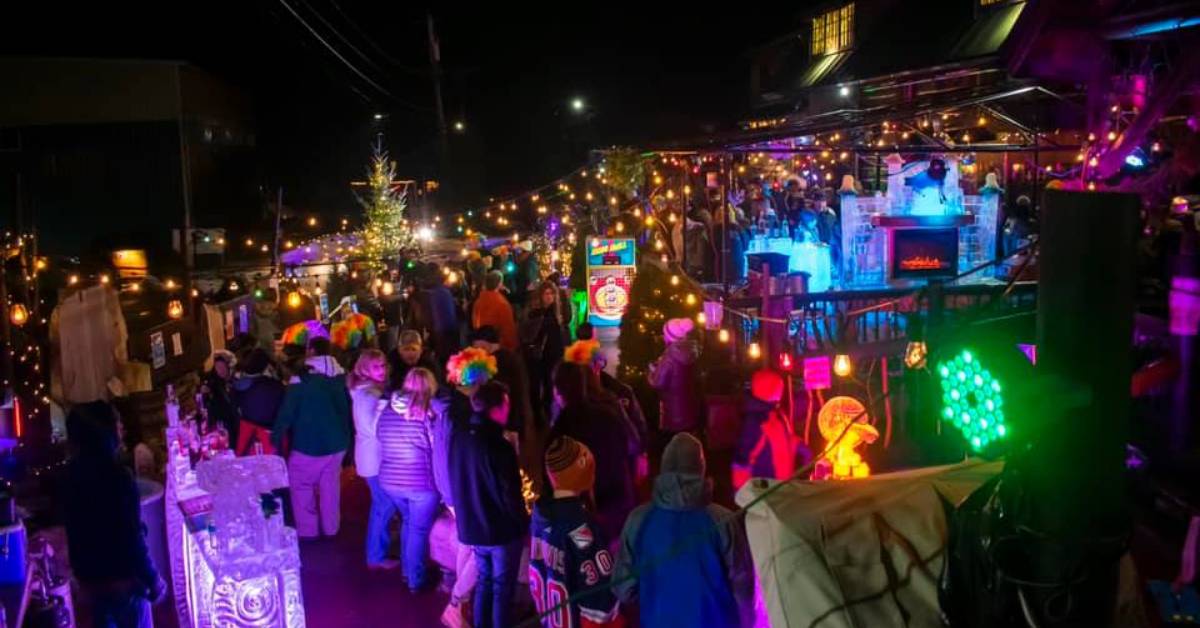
(116, 608)
(379, 540)
(417, 512)
(497, 566)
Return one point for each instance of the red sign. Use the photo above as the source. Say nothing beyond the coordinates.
(818, 373)
(608, 294)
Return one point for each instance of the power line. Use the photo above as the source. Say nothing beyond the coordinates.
(346, 61)
(339, 35)
(371, 42)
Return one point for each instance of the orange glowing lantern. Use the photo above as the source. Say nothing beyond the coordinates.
(915, 353)
(844, 424)
(18, 314)
(175, 309)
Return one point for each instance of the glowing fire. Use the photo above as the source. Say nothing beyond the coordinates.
(921, 262)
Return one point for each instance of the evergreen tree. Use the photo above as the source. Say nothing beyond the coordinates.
(386, 233)
(653, 301)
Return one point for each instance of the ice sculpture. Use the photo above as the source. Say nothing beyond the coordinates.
(238, 486)
(241, 566)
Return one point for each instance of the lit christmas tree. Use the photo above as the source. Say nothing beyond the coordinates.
(386, 232)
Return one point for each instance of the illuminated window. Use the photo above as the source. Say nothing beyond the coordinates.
(833, 31)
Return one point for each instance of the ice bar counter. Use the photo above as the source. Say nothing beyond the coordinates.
(233, 561)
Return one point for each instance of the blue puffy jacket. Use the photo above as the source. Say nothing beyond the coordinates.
(683, 559)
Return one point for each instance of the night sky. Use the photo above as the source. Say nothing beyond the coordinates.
(645, 72)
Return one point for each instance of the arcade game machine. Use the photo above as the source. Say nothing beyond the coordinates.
(611, 267)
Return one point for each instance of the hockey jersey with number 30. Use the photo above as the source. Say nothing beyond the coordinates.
(568, 556)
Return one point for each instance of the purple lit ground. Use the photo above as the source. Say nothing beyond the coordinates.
(338, 588)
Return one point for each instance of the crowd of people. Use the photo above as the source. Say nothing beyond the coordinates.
(537, 453)
(541, 460)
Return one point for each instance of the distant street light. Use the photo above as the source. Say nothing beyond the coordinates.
(577, 104)
(379, 116)
(459, 126)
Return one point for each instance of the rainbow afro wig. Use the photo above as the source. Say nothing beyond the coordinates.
(585, 352)
(470, 367)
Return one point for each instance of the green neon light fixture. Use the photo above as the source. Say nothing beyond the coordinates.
(971, 400)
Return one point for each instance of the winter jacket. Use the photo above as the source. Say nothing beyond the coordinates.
(398, 369)
(491, 308)
(485, 481)
(435, 311)
(105, 535)
(406, 447)
(685, 559)
(325, 365)
(629, 401)
(316, 410)
(674, 376)
(258, 398)
(766, 446)
(544, 337)
(567, 555)
(366, 404)
(605, 431)
(218, 403)
(446, 405)
(510, 370)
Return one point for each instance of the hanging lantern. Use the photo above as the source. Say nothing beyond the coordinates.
(18, 314)
(842, 365)
(175, 309)
(914, 354)
(293, 299)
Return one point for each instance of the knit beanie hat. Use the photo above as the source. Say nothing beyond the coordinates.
(570, 465)
(676, 329)
(684, 454)
(766, 385)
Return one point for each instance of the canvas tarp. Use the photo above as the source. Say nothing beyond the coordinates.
(858, 553)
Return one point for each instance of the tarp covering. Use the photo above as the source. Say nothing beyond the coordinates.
(856, 553)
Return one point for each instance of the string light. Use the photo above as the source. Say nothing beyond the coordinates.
(175, 309)
(754, 351)
(842, 365)
(723, 335)
(18, 315)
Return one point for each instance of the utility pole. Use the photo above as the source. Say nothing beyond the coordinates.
(435, 64)
(278, 221)
(185, 242)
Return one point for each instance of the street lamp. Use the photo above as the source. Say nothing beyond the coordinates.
(577, 104)
(459, 126)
